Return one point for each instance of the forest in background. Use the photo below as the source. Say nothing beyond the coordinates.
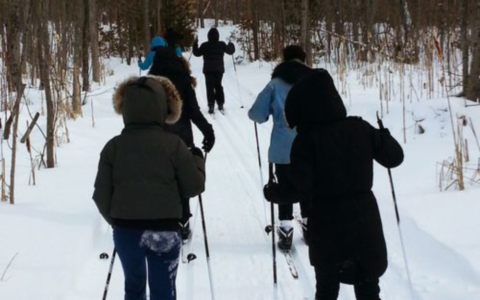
(58, 46)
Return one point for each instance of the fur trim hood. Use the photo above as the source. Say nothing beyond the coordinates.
(147, 100)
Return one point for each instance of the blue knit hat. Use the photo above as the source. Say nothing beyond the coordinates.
(157, 41)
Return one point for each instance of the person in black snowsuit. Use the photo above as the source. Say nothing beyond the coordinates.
(332, 164)
(213, 67)
(166, 63)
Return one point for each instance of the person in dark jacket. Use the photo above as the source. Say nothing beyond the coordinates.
(143, 174)
(169, 65)
(332, 162)
(271, 101)
(213, 67)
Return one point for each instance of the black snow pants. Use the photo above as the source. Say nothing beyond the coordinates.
(213, 83)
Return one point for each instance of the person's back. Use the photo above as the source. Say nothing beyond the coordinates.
(143, 175)
(271, 102)
(213, 67)
(332, 159)
(166, 64)
(213, 51)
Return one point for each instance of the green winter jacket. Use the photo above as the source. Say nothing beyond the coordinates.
(145, 171)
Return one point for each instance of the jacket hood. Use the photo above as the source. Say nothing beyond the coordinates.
(314, 100)
(291, 71)
(213, 35)
(157, 41)
(148, 100)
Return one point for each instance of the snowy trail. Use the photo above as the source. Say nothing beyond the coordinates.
(60, 258)
(236, 214)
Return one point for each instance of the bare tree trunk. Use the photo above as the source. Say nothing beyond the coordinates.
(216, 13)
(473, 92)
(146, 25)
(236, 15)
(96, 69)
(159, 16)
(44, 60)
(85, 48)
(256, 48)
(13, 45)
(305, 32)
(465, 46)
(77, 62)
(200, 13)
(16, 112)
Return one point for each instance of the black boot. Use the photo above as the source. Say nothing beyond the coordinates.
(285, 238)
(185, 231)
(210, 110)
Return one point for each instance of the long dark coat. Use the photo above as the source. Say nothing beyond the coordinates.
(332, 160)
(167, 64)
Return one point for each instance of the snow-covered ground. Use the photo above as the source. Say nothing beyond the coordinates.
(50, 240)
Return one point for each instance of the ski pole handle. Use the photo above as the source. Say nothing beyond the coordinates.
(380, 123)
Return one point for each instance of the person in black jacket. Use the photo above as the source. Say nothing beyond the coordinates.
(213, 67)
(166, 63)
(332, 162)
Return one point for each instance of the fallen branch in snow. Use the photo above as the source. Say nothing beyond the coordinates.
(5, 272)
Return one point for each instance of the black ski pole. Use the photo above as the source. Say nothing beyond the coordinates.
(271, 228)
(380, 125)
(205, 239)
(107, 284)
(260, 168)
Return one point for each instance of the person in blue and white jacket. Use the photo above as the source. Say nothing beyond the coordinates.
(271, 101)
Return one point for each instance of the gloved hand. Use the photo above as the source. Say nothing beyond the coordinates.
(271, 192)
(197, 152)
(208, 141)
(275, 193)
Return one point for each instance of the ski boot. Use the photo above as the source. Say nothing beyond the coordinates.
(285, 238)
(185, 231)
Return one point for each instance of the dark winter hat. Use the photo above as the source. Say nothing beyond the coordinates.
(147, 100)
(213, 35)
(294, 52)
(313, 100)
(172, 37)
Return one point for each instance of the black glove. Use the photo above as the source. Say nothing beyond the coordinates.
(271, 192)
(208, 141)
(197, 152)
(275, 193)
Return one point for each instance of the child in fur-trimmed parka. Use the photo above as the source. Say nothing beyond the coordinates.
(332, 162)
(271, 101)
(143, 174)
